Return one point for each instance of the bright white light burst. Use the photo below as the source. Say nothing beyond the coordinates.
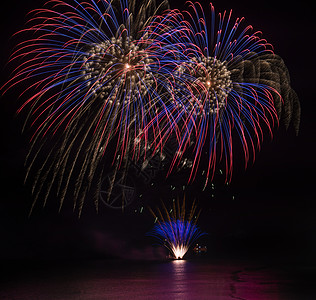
(177, 230)
(179, 251)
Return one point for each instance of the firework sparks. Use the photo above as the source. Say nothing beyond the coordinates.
(108, 82)
(95, 78)
(229, 86)
(175, 229)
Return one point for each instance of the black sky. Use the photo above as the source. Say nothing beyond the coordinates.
(274, 199)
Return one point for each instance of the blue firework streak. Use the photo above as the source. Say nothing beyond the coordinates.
(177, 236)
(229, 86)
(108, 82)
(94, 79)
(175, 229)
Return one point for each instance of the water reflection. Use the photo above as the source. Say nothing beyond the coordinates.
(178, 279)
(179, 265)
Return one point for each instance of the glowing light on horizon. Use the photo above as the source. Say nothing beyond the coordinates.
(179, 251)
(175, 229)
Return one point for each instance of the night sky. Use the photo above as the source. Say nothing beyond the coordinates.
(268, 210)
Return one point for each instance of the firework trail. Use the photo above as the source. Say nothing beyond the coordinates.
(175, 229)
(108, 82)
(94, 80)
(229, 86)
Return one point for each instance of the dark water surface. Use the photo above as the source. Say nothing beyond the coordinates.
(192, 279)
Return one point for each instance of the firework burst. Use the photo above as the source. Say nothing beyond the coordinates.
(95, 80)
(175, 229)
(108, 82)
(229, 86)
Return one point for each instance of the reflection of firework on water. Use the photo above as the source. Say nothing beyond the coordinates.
(229, 84)
(175, 229)
(96, 80)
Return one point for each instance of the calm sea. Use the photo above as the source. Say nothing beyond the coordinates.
(192, 279)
